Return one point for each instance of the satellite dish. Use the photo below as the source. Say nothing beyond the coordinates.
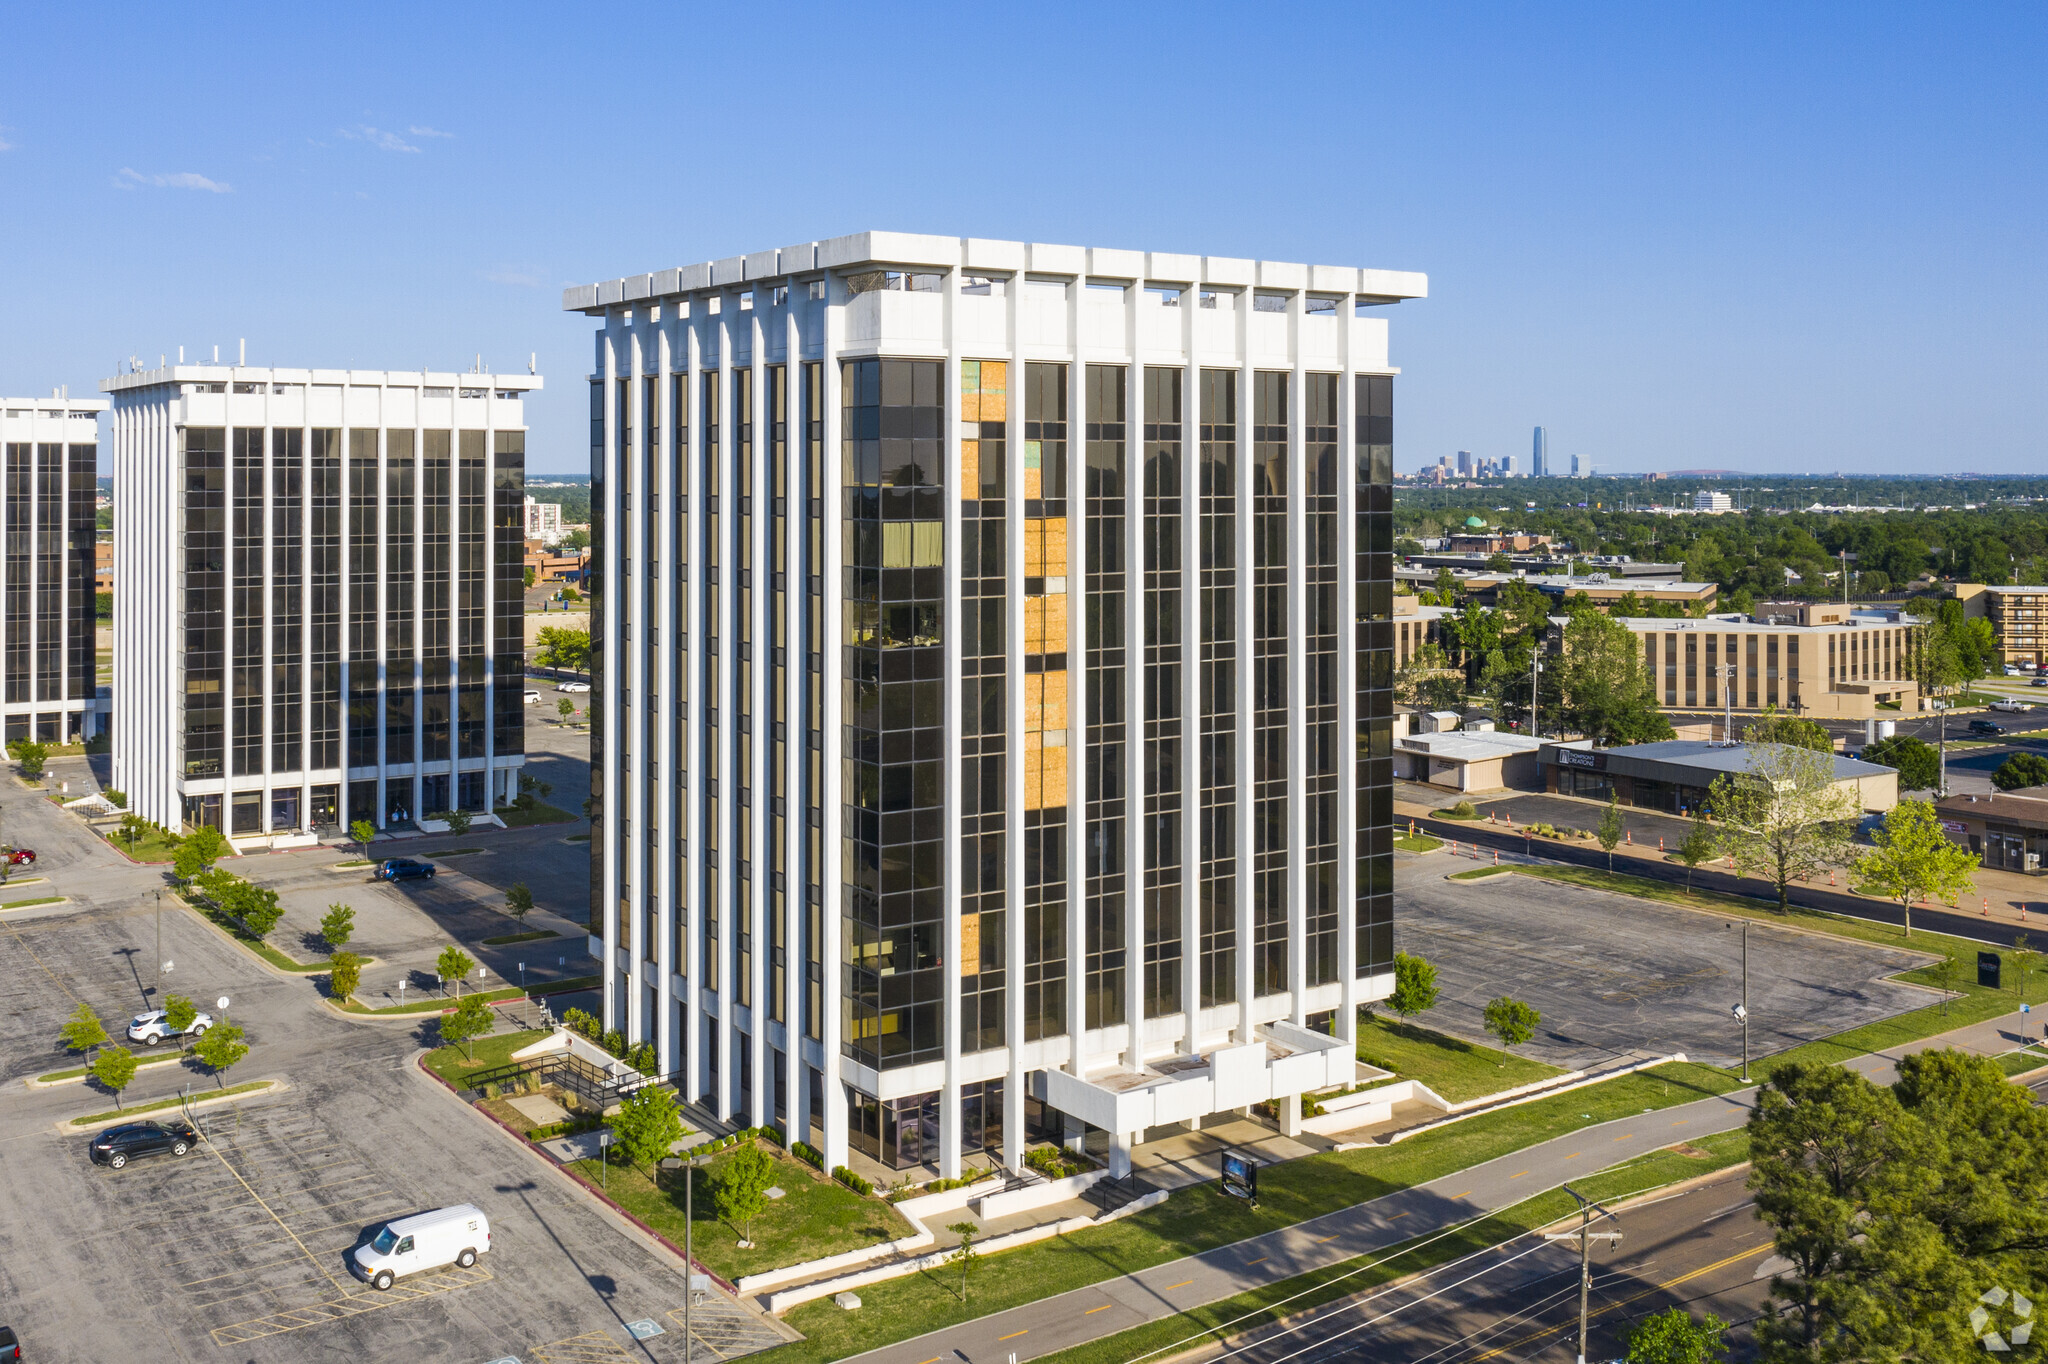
(221, 1003)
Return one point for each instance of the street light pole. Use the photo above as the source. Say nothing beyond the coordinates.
(1585, 1236)
(1741, 1010)
(1535, 667)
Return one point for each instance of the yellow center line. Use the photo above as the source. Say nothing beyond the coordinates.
(1169, 1288)
(1093, 1310)
(1623, 1302)
(1461, 1195)
(1518, 1174)
(1624, 1136)
(1013, 1335)
(1261, 1260)
(1573, 1156)
(1397, 1217)
(934, 1359)
(1321, 1239)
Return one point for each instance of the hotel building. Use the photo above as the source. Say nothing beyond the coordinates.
(50, 448)
(993, 645)
(320, 577)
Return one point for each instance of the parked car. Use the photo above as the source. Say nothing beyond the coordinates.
(427, 1240)
(10, 1345)
(1986, 727)
(572, 686)
(533, 698)
(152, 1027)
(2039, 682)
(20, 857)
(403, 869)
(2007, 703)
(117, 1146)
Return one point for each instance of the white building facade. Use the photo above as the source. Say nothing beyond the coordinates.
(993, 651)
(544, 521)
(49, 456)
(320, 577)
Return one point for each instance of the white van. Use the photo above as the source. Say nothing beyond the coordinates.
(427, 1240)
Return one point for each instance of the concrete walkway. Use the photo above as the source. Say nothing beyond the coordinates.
(1118, 1304)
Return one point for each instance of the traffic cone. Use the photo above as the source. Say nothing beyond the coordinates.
(1831, 878)
(1660, 843)
(1496, 857)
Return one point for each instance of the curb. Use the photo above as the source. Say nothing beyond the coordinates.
(70, 1128)
(141, 1065)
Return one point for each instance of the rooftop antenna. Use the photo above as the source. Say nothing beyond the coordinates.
(181, 355)
(242, 351)
(216, 355)
(532, 359)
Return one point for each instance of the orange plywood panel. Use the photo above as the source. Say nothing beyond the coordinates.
(995, 407)
(970, 469)
(970, 407)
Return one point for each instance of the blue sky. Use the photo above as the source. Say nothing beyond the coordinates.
(1761, 237)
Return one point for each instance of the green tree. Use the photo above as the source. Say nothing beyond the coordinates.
(1607, 695)
(740, 1188)
(1776, 727)
(1429, 680)
(561, 646)
(646, 1124)
(1782, 817)
(344, 975)
(31, 757)
(472, 1019)
(114, 1067)
(2020, 771)
(1610, 829)
(198, 851)
(566, 707)
(458, 821)
(338, 926)
(1415, 988)
(364, 833)
(180, 1013)
(1511, 1022)
(82, 1031)
(1673, 1336)
(1912, 858)
(579, 538)
(1918, 766)
(453, 964)
(518, 900)
(1698, 846)
(221, 1048)
(530, 576)
(966, 1255)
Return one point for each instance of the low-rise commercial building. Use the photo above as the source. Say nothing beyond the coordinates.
(1470, 760)
(1416, 625)
(2008, 829)
(1825, 660)
(2018, 616)
(1677, 775)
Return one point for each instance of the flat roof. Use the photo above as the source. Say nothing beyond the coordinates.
(1709, 756)
(1717, 624)
(55, 407)
(369, 378)
(1471, 745)
(997, 257)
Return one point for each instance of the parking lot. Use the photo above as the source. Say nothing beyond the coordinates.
(1615, 976)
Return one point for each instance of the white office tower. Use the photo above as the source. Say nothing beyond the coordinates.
(50, 449)
(1539, 455)
(1707, 500)
(1507, 466)
(1582, 466)
(993, 648)
(321, 604)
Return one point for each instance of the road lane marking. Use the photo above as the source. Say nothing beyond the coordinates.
(1261, 1260)
(1573, 1156)
(1169, 1288)
(1518, 1174)
(1397, 1217)
(1624, 1136)
(1089, 1313)
(1013, 1335)
(1623, 1302)
(1461, 1195)
(1322, 1239)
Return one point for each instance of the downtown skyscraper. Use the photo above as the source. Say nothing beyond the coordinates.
(993, 651)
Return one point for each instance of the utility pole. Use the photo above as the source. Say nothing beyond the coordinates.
(1585, 1236)
(1728, 704)
(1741, 1010)
(1535, 667)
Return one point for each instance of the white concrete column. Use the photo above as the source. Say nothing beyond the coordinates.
(795, 720)
(1077, 686)
(609, 567)
(1190, 679)
(730, 911)
(1136, 633)
(1348, 730)
(630, 537)
(700, 765)
(1241, 523)
(950, 949)
(1013, 724)
(834, 1116)
(761, 658)
(1120, 1144)
(661, 720)
(1297, 654)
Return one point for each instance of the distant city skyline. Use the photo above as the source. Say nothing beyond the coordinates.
(1683, 248)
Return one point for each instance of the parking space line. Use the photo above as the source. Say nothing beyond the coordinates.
(274, 1217)
(590, 1346)
(348, 1305)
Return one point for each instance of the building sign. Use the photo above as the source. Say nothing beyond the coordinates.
(1954, 826)
(1580, 757)
(1241, 1175)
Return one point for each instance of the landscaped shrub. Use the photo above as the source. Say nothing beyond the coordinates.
(1464, 809)
(1055, 1163)
(582, 1023)
(807, 1153)
(852, 1181)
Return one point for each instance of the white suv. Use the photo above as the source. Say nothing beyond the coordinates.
(152, 1027)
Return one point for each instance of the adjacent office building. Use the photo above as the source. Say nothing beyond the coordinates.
(993, 652)
(1539, 455)
(51, 452)
(320, 577)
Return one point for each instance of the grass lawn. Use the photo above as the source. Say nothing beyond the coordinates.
(1248, 1311)
(816, 1216)
(541, 813)
(1452, 812)
(1455, 1069)
(577, 838)
(145, 1059)
(1200, 1218)
(1973, 1003)
(2013, 1063)
(533, 936)
(260, 947)
(24, 904)
(160, 1105)
(491, 1052)
(1419, 843)
(1480, 873)
(153, 846)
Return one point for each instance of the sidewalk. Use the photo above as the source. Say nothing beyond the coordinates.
(1120, 1303)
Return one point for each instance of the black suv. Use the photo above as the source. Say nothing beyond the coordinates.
(1986, 727)
(131, 1140)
